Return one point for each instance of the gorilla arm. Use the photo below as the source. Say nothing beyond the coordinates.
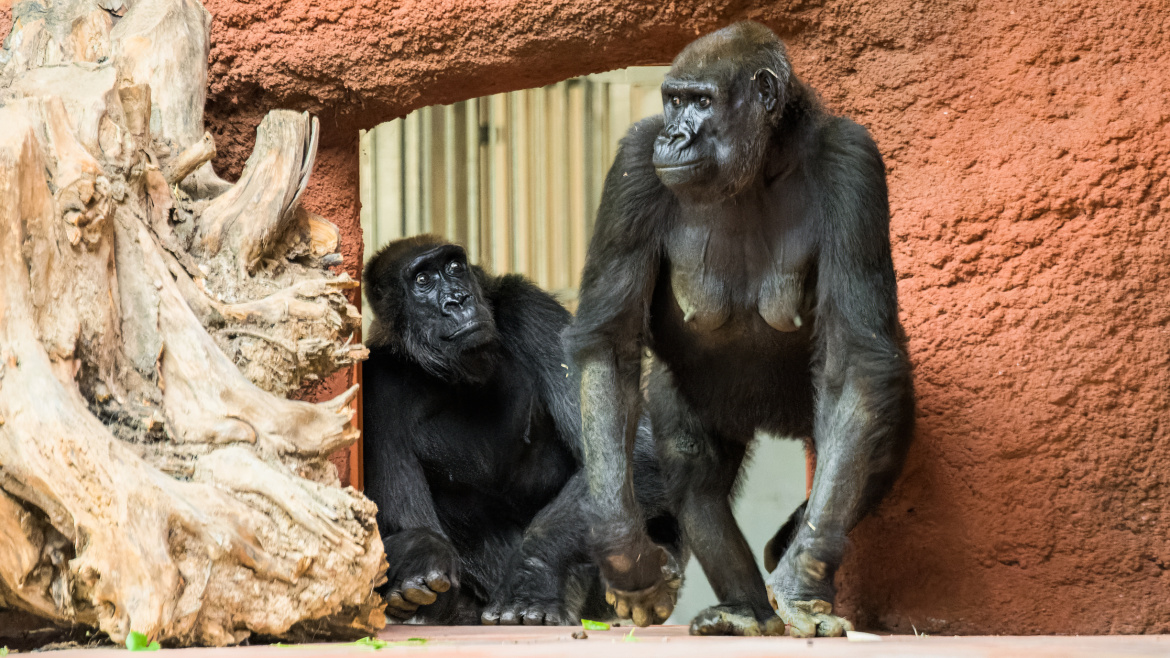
(865, 402)
(531, 323)
(606, 342)
(422, 562)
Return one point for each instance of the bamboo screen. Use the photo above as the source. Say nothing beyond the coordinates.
(515, 178)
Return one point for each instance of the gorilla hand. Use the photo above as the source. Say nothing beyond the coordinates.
(649, 604)
(810, 618)
(801, 591)
(423, 565)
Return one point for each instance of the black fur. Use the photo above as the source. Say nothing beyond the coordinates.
(743, 237)
(472, 448)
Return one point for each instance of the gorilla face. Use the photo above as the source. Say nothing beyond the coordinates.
(431, 305)
(447, 300)
(684, 153)
(721, 103)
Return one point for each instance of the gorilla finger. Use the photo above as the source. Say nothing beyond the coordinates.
(438, 582)
(415, 591)
(396, 602)
(643, 616)
(801, 626)
(398, 615)
(419, 595)
(816, 607)
(533, 617)
(509, 618)
(662, 610)
(622, 608)
(708, 627)
(610, 597)
(773, 627)
(831, 626)
(828, 626)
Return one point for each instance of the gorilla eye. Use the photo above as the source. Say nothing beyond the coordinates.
(454, 267)
(675, 101)
(704, 101)
(421, 279)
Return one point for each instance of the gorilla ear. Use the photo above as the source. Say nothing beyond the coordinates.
(767, 85)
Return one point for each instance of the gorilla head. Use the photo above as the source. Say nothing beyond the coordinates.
(429, 306)
(722, 100)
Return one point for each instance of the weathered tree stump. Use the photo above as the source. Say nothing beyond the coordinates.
(153, 475)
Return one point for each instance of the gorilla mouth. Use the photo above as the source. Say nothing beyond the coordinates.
(679, 165)
(466, 330)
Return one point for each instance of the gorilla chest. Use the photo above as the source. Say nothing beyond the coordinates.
(732, 272)
(475, 437)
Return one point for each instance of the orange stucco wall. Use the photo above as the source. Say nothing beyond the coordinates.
(1027, 148)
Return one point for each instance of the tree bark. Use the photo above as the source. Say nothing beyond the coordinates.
(153, 475)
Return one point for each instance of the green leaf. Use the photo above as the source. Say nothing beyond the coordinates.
(136, 641)
(3, 652)
(630, 636)
(590, 625)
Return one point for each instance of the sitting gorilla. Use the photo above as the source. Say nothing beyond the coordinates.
(472, 443)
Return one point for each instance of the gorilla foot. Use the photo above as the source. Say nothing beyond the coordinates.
(734, 620)
(810, 618)
(404, 599)
(532, 595)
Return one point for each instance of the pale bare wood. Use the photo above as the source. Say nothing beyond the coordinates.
(192, 157)
(29, 549)
(149, 482)
(259, 209)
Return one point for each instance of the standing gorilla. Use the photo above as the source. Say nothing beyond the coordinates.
(472, 444)
(743, 237)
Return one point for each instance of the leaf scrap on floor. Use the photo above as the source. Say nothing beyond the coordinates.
(858, 636)
(136, 641)
(590, 625)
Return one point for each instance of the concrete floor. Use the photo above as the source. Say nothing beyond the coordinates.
(673, 641)
(773, 486)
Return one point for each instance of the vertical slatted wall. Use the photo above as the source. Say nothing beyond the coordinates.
(516, 178)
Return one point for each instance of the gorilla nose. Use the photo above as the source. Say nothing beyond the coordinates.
(678, 137)
(455, 301)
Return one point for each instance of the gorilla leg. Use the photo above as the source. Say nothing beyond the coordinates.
(779, 543)
(536, 587)
(857, 462)
(700, 472)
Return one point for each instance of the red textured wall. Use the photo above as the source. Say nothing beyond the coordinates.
(1026, 143)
